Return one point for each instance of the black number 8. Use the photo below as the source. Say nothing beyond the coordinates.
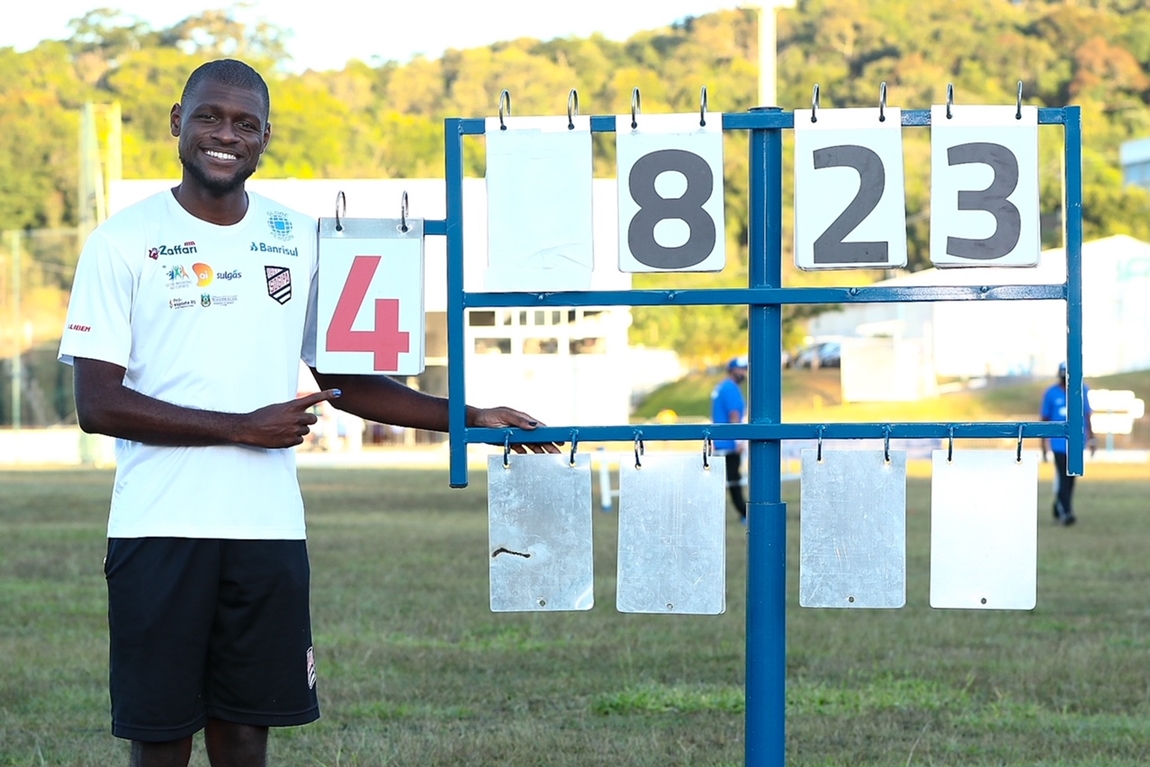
(687, 208)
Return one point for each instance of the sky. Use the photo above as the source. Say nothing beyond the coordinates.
(326, 35)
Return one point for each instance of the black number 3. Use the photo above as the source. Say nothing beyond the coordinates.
(654, 208)
(992, 200)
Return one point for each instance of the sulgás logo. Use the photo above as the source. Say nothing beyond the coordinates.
(205, 275)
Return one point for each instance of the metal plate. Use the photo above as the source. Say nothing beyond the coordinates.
(852, 549)
(672, 536)
(539, 532)
(984, 530)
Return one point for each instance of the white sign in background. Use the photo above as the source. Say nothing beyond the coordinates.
(984, 186)
(670, 171)
(370, 317)
(850, 194)
(539, 220)
(984, 530)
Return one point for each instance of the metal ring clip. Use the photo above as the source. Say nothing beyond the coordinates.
(819, 454)
(574, 445)
(403, 227)
(707, 449)
(635, 108)
(504, 98)
(638, 451)
(815, 104)
(886, 444)
(1018, 110)
(572, 108)
(949, 100)
(507, 451)
(1018, 452)
(950, 447)
(703, 108)
(882, 102)
(340, 205)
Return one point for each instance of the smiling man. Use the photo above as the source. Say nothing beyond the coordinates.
(186, 344)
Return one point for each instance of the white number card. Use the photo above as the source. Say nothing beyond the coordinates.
(670, 171)
(850, 198)
(984, 186)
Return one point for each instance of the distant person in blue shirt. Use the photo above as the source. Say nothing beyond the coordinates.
(1054, 409)
(729, 406)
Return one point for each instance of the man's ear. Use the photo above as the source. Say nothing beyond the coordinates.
(267, 137)
(174, 119)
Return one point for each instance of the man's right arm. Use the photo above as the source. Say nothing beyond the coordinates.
(105, 406)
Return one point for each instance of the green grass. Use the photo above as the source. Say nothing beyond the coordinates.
(415, 670)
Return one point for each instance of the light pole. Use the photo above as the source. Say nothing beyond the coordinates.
(768, 43)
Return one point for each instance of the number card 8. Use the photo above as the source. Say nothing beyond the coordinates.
(850, 200)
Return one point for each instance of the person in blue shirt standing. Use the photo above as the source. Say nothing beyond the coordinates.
(1054, 409)
(729, 406)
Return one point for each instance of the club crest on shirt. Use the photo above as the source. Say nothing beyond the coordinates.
(279, 283)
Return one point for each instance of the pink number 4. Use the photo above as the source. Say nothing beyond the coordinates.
(386, 341)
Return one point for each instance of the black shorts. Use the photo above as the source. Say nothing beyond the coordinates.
(204, 628)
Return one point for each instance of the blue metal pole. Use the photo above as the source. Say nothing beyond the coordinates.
(1072, 136)
(457, 400)
(766, 515)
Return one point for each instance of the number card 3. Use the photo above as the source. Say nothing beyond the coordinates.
(370, 317)
(670, 171)
(540, 234)
(984, 186)
(850, 198)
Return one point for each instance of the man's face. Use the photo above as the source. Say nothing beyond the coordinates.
(739, 374)
(222, 132)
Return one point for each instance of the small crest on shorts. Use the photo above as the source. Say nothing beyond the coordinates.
(311, 674)
(279, 283)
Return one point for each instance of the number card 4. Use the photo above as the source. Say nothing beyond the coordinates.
(984, 186)
(670, 171)
(370, 317)
(850, 199)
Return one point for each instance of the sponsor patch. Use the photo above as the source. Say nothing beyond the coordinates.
(279, 283)
(280, 225)
(185, 249)
(312, 676)
(204, 275)
(282, 250)
(178, 277)
(154, 254)
(180, 303)
(207, 299)
(80, 328)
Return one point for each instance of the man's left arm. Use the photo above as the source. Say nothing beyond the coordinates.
(381, 399)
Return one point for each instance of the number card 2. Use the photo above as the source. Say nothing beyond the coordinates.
(670, 171)
(850, 198)
(984, 186)
(370, 317)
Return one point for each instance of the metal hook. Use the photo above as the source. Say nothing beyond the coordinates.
(815, 104)
(886, 444)
(707, 447)
(819, 455)
(572, 108)
(340, 202)
(574, 445)
(703, 108)
(1018, 111)
(638, 451)
(635, 107)
(504, 97)
(950, 447)
(1018, 453)
(507, 451)
(949, 100)
(403, 227)
(882, 102)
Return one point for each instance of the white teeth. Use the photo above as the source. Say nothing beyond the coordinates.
(220, 155)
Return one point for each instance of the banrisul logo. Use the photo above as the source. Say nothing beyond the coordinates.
(280, 225)
(185, 249)
(280, 250)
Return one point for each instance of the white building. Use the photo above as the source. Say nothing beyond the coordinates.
(997, 338)
(566, 366)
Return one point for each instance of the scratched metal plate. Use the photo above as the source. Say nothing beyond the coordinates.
(852, 542)
(539, 532)
(672, 536)
(984, 530)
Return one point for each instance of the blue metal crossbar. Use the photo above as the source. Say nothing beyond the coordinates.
(765, 297)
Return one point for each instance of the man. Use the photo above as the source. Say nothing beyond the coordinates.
(729, 406)
(1054, 409)
(207, 565)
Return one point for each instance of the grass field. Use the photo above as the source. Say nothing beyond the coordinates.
(415, 670)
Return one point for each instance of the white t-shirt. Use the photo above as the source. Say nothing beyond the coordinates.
(206, 317)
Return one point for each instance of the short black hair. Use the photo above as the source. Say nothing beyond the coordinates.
(229, 72)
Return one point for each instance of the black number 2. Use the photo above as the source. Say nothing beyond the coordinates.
(687, 208)
(992, 200)
(829, 247)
